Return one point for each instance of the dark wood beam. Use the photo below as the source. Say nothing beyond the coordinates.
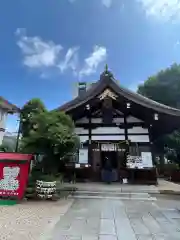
(125, 126)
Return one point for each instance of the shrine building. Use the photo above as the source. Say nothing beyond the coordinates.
(114, 122)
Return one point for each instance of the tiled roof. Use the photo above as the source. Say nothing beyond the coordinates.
(108, 81)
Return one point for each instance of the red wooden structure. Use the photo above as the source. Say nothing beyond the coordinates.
(14, 171)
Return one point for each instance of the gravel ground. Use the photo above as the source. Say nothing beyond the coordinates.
(30, 220)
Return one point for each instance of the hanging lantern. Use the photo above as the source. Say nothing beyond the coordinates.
(88, 107)
(128, 105)
(156, 116)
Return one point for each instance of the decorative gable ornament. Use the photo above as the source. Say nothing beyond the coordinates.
(108, 93)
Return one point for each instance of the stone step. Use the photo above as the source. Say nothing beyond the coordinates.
(121, 188)
(111, 194)
(113, 197)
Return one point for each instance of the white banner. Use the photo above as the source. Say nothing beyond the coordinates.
(147, 159)
(108, 147)
(83, 156)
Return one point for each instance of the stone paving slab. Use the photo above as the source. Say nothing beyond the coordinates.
(108, 237)
(107, 227)
(107, 219)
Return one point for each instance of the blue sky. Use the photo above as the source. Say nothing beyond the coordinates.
(46, 46)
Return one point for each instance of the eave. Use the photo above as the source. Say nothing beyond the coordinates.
(8, 107)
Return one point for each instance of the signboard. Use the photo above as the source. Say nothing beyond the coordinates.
(83, 156)
(134, 162)
(147, 159)
(14, 171)
(77, 165)
(108, 147)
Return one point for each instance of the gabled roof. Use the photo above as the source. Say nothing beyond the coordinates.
(107, 81)
(9, 107)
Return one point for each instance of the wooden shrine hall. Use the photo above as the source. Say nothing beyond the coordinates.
(113, 122)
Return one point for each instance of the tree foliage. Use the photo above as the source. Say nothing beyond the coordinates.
(164, 87)
(28, 112)
(51, 135)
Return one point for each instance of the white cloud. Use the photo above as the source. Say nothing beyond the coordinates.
(70, 61)
(46, 56)
(36, 52)
(43, 55)
(91, 63)
(162, 9)
(177, 43)
(107, 3)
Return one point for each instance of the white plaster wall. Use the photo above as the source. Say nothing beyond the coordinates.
(86, 120)
(118, 120)
(83, 138)
(81, 131)
(96, 120)
(132, 119)
(3, 118)
(138, 130)
(133, 138)
(1, 137)
(138, 138)
(107, 130)
(99, 120)
(108, 137)
(82, 120)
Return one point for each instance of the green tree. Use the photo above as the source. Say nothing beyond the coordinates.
(28, 113)
(164, 87)
(52, 135)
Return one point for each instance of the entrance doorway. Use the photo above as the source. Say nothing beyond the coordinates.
(112, 158)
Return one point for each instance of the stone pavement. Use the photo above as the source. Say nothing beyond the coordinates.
(168, 187)
(118, 220)
(30, 220)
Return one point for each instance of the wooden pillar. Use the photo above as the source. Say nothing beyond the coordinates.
(123, 172)
(89, 138)
(152, 149)
(130, 174)
(125, 126)
(151, 144)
